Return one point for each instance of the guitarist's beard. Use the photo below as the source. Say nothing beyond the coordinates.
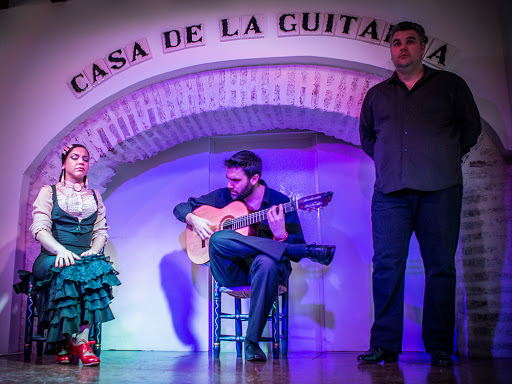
(244, 193)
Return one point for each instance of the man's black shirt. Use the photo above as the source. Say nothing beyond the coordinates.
(417, 137)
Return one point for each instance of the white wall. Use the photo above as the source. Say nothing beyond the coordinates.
(162, 303)
(43, 44)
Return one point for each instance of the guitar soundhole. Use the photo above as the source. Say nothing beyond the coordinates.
(226, 225)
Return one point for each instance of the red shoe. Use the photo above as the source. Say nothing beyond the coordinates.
(84, 352)
(63, 357)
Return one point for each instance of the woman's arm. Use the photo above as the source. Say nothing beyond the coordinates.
(97, 245)
(64, 257)
(99, 232)
(42, 226)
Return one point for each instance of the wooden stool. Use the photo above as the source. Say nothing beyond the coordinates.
(278, 318)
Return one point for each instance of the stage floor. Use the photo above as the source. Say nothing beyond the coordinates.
(198, 367)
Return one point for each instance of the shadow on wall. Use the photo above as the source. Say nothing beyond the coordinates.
(178, 292)
(483, 236)
(309, 276)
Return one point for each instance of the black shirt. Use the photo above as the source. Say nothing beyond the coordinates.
(417, 137)
(221, 197)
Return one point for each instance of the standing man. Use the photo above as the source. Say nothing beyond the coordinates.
(261, 261)
(416, 126)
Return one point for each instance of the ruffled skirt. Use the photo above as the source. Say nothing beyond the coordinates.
(72, 296)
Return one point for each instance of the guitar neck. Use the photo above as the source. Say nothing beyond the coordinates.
(255, 217)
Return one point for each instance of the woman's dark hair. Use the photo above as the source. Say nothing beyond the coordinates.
(408, 26)
(247, 160)
(65, 153)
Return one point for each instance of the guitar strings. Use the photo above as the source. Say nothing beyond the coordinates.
(251, 218)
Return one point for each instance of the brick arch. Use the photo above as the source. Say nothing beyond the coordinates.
(218, 102)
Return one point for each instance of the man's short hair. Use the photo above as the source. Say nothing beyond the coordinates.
(408, 26)
(247, 160)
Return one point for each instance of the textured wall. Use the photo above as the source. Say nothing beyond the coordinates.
(484, 288)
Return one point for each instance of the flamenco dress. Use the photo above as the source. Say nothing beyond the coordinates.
(68, 297)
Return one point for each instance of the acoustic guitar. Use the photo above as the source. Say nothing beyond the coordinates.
(238, 217)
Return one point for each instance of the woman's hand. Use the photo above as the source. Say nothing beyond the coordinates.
(89, 252)
(65, 258)
(96, 247)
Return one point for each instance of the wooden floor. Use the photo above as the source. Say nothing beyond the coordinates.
(199, 367)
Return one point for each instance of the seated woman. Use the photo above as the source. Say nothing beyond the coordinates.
(74, 278)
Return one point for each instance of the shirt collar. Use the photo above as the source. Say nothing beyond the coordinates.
(266, 196)
(70, 185)
(427, 73)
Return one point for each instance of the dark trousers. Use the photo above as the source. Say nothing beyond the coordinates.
(435, 219)
(237, 260)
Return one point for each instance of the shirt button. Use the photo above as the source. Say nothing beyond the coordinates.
(405, 149)
(405, 133)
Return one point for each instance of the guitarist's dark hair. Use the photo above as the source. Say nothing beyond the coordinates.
(247, 160)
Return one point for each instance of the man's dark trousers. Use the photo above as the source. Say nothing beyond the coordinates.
(237, 260)
(435, 219)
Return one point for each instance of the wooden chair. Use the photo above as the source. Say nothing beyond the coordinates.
(278, 318)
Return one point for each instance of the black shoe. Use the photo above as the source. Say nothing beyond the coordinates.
(253, 352)
(441, 359)
(376, 355)
(322, 254)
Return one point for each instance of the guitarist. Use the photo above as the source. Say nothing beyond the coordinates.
(261, 261)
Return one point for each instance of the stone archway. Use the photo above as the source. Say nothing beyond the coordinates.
(218, 102)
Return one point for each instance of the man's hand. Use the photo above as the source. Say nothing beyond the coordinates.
(65, 258)
(200, 225)
(276, 222)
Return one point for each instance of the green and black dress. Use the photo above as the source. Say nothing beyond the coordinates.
(68, 297)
